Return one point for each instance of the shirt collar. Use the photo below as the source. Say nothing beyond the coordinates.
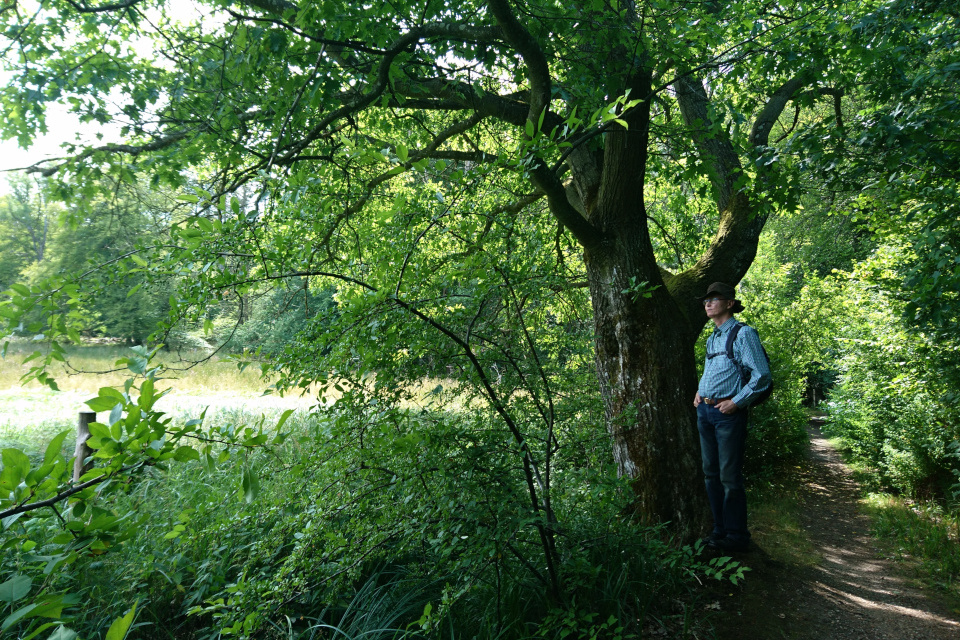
(726, 326)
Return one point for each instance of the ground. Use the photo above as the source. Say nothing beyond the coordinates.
(828, 582)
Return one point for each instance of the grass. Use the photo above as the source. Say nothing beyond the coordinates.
(922, 535)
(775, 511)
(91, 367)
(31, 415)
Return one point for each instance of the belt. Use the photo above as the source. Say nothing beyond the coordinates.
(713, 401)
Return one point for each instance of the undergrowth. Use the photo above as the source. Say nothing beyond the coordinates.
(924, 535)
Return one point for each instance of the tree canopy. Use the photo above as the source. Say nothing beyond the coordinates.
(408, 151)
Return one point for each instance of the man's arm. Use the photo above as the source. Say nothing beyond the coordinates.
(754, 363)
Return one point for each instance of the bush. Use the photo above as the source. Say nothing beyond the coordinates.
(894, 406)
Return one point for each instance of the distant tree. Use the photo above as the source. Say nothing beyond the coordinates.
(113, 225)
(27, 221)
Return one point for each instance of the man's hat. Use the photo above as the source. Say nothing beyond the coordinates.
(723, 290)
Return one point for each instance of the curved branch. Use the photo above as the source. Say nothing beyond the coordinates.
(538, 71)
(760, 132)
(63, 495)
(129, 149)
(561, 207)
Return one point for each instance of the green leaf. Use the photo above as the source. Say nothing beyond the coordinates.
(118, 630)
(283, 418)
(101, 404)
(15, 588)
(53, 449)
(52, 608)
(99, 430)
(184, 454)
(107, 398)
(250, 485)
(147, 395)
(16, 466)
(63, 633)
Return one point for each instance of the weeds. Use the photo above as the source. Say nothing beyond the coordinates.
(926, 534)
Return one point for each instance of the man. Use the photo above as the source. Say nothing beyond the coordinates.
(722, 400)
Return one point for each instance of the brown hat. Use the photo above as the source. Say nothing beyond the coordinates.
(723, 290)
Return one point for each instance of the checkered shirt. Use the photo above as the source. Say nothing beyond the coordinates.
(720, 376)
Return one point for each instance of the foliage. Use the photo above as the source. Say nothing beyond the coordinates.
(27, 223)
(52, 523)
(899, 171)
(894, 405)
(926, 533)
(387, 147)
(276, 317)
(455, 179)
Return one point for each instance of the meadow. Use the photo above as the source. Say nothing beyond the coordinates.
(32, 414)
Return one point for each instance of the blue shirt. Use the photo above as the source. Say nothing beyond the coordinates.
(720, 376)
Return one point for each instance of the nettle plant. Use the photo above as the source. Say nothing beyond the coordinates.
(54, 524)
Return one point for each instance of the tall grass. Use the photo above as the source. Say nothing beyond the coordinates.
(924, 535)
(32, 414)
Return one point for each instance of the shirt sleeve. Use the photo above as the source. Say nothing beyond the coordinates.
(755, 365)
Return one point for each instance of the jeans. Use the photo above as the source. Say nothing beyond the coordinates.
(722, 443)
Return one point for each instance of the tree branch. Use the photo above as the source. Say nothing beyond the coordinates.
(760, 132)
(50, 502)
(103, 8)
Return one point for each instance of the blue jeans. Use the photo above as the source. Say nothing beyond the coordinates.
(722, 443)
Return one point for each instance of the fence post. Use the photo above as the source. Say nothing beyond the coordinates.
(83, 451)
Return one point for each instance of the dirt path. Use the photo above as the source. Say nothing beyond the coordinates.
(850, 594)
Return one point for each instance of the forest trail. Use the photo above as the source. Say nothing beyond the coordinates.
(850, 593)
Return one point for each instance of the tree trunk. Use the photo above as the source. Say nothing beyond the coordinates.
(645, 364)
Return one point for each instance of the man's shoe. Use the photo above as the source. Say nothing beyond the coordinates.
(729, 544)
(710, 541)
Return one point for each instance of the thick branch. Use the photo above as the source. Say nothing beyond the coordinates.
(734, 247)
(760, 133)
(561, 207)
(714, 147)
(538, 71)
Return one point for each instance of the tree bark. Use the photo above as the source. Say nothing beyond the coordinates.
(643, 340)
(647, 373)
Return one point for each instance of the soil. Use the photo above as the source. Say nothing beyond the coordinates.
(848, 592)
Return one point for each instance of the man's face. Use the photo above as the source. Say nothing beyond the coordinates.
(716, 306)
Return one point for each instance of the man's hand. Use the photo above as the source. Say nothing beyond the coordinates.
(697, 399)
(727, 407)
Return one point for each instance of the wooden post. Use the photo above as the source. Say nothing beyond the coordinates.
(83, 451)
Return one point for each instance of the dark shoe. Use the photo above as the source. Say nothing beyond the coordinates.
(731, 545)
(710, 541)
